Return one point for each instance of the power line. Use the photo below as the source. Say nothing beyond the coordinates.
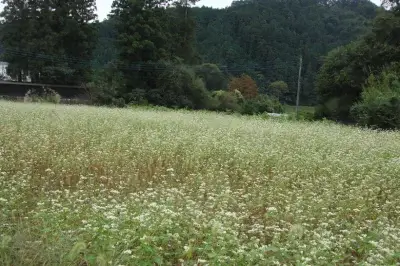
(136, 66)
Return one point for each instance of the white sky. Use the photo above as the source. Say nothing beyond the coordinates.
(104, 6)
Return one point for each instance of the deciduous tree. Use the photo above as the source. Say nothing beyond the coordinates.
(245, 84)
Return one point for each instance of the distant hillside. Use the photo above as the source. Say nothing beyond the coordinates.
(265, 37)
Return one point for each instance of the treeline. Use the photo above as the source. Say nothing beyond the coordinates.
(49, 41)
(243, 58)
(264, 39)
(359, 82)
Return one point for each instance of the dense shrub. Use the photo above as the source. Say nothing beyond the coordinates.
(45, 95)
(212, 76)
(336, 108)
(380, 102)
(261, 104)
(303, 115)
(177, 86)
(339, 81)
(278, 88)
(342, 77)
(105, 89)
(226, 101)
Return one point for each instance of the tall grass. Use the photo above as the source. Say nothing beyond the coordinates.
(99, 186)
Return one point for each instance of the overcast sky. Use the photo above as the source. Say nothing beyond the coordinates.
(104, 6)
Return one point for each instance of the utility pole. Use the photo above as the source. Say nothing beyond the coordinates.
(299, 86)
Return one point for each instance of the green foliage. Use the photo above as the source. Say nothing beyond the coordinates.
(51, 41)
(262, 104)
(226, 101)
(380, 102)
(212, 76)
(178, 86)
(345, 69)
(105, 87)
(141, 39)
(266, 49)
(106, 49)
(339, 81)
(153, 43)
(277, 88)
(264, 37)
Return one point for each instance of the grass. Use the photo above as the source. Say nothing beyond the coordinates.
(99, 186)
(292, 109)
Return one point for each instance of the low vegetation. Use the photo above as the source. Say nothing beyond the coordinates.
(101, 186)
(358, 82)
(380, 102)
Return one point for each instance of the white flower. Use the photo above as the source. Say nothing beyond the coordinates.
(127, 252)
(113, 191)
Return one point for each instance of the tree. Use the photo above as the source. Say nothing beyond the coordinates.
(106, 50)
(147, 44)
(339, 81)
(16, 31)
(278, 88)
(49, 40)
(141, 41)
(245, 85)
(78, 25)
(212, 76)
(344, 72)
(182, 31)
(178, 86)
(266, 46)
(379, 106)
(226, 101)
(268, 43)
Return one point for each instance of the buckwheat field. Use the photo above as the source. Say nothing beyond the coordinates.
(99, 186)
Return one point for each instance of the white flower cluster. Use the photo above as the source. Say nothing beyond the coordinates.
(104, 186)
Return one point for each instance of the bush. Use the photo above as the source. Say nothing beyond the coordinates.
(261, 104)
(278, 88)
(302, 116)
(105, 89)
(380, 101)
(45, 95)
(336, 108)
(178, 87)
(342, 77)
(212, 76)
(339, 81)
(306, 116)
(226, 101)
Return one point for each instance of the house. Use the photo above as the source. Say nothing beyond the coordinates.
(3, 73)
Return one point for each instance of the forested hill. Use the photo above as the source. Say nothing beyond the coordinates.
(264, 38)
(266, 35)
